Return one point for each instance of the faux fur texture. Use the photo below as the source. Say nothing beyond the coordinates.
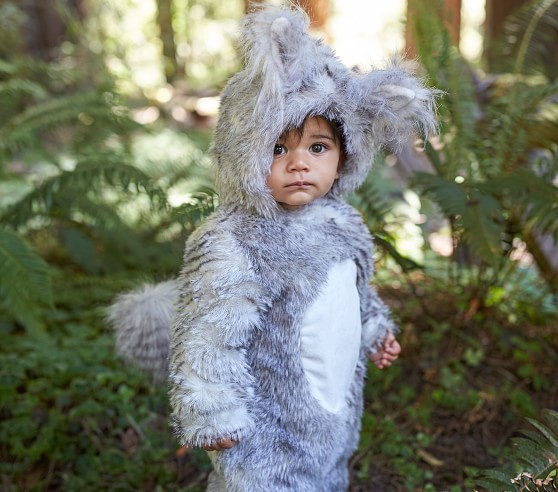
(236, 369)
(251, 271)
(141, 321)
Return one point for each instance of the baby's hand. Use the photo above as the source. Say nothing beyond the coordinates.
(387, 353)
(220, 445)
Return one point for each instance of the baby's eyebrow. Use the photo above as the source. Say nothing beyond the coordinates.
(319, 135)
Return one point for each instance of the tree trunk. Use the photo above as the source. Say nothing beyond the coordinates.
(164, 20)
(449, 14)
(496, 13)
(45, 29)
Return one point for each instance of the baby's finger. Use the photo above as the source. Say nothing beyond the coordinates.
(375, 357)
(226, 443)
(394, 348)
(214, 446)
(391, 355)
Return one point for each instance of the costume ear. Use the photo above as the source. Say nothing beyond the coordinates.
(397, 104)
(276, 46)
(407, 102)
(397, 97)
(280, 45)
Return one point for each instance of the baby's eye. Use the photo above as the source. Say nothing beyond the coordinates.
(318, 148)
(279, 149)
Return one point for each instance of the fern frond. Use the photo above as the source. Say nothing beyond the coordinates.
(535, 198)
(476, 214)
(533, 458)
(512, 120)
(190, 215)
(16, 87)
(25, 283)
(51, 75)
(386, 243)
(19, 129)
(376, 200)
(89, 175)
(551, 435)
(462, 115)
(495, 481)
(171, 158)
(483, 227)
(373, 200)
(528, 39)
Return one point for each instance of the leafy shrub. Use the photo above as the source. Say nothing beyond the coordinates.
(73, 417)
(532, 460)
(494, 164)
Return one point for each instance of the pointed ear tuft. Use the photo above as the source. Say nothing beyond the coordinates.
(397, 104)
(279, 26)
(280, 37)
(397, 97)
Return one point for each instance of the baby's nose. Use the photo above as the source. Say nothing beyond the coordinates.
(298, 162)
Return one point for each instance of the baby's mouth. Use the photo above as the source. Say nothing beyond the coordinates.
(299, 184)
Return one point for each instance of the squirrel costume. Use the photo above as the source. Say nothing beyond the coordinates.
(269, 325)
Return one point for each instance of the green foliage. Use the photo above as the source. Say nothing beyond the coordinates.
(67, 191)
(476, 214)
(82, 108)
(73, 416)
(95, 203)
(25, 284)
(79, 184)
(377, 200)
(532, 460)
(466, 380)
(496, 158)
(534, 23)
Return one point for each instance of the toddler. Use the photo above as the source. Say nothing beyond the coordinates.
(272, 316)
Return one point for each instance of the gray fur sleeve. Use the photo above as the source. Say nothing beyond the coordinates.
(375, 315)
(376, 320)
(218, 311)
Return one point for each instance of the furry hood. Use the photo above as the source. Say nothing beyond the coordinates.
(289, 75)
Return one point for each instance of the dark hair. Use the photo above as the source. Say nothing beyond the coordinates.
(335, 127)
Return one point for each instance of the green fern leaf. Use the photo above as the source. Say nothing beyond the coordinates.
(528, 40)
(48, 114)
(14, 87)
(535, 197)
(532, 457)
(495, 480)
(25, 283)
(90, 174)
(546, 432)
(552, 421)
(515, 117)
(386, 243)
(476, 213)
(529, 455)
(482, 225)
(190, 215)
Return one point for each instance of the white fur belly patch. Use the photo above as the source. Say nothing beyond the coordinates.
(330, 337)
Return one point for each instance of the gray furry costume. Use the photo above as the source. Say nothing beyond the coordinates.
(272, 317)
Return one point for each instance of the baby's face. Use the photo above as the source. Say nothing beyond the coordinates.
(304, 166)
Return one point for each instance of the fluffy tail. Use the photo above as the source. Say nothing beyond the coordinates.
(141, 320)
